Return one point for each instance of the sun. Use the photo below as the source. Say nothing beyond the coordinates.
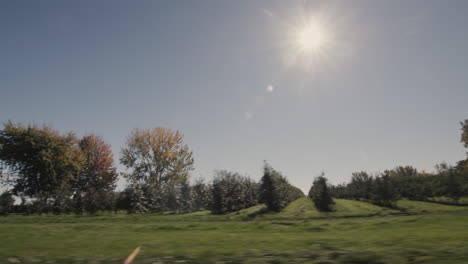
(310, 37)
(311, 41)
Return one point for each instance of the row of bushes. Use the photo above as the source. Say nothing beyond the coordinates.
(406, 183)
(231, 191)
(91, 202)
(228, 192)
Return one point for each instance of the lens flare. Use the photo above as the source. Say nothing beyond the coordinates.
(132, 256)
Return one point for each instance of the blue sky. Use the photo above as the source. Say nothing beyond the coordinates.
(390, 89)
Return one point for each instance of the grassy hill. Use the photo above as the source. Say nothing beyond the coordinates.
(299, 234)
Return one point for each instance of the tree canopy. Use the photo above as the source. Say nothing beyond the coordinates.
(464, 135)
(275, 190)
(320, 194)
(158, 160)
(39, 161)
(97, 177)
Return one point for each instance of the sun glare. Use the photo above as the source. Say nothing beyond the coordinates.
(310, 37)
(311, 40)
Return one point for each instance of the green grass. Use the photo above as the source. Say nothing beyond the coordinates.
(303, 208)
(416, 207)
(462, 200)
(356, 232)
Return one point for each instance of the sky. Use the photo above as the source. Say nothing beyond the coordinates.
(386, 84)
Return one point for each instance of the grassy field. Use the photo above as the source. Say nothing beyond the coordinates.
(356, 233)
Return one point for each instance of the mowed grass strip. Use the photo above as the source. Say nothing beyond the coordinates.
(304, 208)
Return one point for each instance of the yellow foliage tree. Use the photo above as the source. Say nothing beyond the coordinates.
(157, 159)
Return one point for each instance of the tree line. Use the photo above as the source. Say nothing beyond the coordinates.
(53, 172)
(50, 172)
(406, 182)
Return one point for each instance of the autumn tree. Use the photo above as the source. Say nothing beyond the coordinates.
(156, 160)
(94, 184)
(39, 162)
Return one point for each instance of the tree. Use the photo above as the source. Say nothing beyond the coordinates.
(123, 201)
(157, 160)
(177, 198)
(6, 203)
(454, 188)
(340, 191)
(383, 192)
(464, 135)
(275, 190)
(320, 194)
(201, 195)
(360, 186)
(40, 163)
(406, 181)
(98, 176)
(463, 164)
(186, 199)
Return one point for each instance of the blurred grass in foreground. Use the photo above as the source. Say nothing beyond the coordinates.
(433, 233)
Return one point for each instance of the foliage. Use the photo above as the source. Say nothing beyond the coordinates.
(122, 200)
(320, 194)
(41, 162)
(53, 172)
(6, 203)
(275, 190)
(383, 192)
(158, 160)
(360, 186)
(378, 189)
(138, 198)
(405, 182)
(94, 184)
(178, 198)
(464, 135)
(232, 192)
(340, 191)
(201, 195)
